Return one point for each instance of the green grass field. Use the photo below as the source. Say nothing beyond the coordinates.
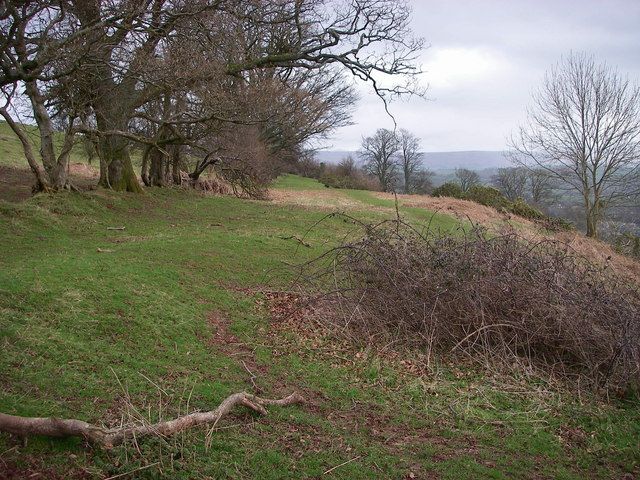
(11, 150)
(169, 314)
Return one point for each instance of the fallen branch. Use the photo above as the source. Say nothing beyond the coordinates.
(115, 228)
(297, 239)
(342, 465)
(108, 438)
(252, 378)
(126, 474)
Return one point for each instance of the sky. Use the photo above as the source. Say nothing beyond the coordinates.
(484, 60)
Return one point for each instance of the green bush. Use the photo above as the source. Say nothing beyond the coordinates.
(627, 244)
(449, 189)
(355, 181)
(492, 197)
(333, 181)
(488, 196)
(523, 209)
(556, 224)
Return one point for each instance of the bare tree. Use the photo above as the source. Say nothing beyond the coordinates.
(410, 159)
(379, 155)
(467, 178)
(107, 60)
(541, 186)
(422, 182)
(512, 182)
(347, 167)
(34, 35)
(584, 130)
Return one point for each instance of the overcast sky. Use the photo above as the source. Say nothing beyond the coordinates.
(485, 57)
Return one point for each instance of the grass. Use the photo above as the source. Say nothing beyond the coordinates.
(83, 330)
(419, 216)
(297, 183)
(11, 153)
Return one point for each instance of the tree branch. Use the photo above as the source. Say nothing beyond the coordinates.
(108, 438)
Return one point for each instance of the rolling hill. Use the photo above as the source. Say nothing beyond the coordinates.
(127, 309)
(474, 160)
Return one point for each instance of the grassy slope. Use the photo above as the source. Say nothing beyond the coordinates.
(11, 153)
(79, 329)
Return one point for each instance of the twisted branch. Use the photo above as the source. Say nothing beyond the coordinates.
(110, 437)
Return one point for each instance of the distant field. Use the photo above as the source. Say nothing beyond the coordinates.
(172, 313)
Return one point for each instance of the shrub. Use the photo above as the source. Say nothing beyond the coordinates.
(492, 197)
(307, 166)
(556, 224)
(627, 244)
(358, 181)
(448, 189)
(501, 298)
(347, 174)
(523, 209)
(488, 196)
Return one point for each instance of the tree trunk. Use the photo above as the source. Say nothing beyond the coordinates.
(407, 181)
(175, 164)
(167, 168)
(113, 103)
(119, 174)
(104, 178)
(42, 183)
(144, 169)
(592, 226)
(56, 167)
(592, 216)
(60, 175)
(157, 170)
(45, 128)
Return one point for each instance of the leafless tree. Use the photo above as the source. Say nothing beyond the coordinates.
(378, 153)
(410, 159)
(467, 178)
(512, 182)
(422, 182)
(34, 36)
(105, 61)
(584, 130)
(347, 166)
(541, 186)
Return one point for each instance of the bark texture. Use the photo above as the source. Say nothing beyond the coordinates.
(119, 173)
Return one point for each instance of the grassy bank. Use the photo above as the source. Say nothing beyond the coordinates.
(96, 324)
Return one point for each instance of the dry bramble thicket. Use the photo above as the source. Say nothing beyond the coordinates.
(501, 299)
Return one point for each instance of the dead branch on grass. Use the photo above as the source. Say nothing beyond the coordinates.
(297, 239)
(110, 437)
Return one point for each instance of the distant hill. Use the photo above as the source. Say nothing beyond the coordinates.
(475, 160)
(333, 156)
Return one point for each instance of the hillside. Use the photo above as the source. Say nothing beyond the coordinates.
(180, 309)
(474, 160)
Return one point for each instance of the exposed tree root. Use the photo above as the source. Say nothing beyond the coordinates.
(108, 438)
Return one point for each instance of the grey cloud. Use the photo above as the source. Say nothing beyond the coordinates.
(514, 43)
